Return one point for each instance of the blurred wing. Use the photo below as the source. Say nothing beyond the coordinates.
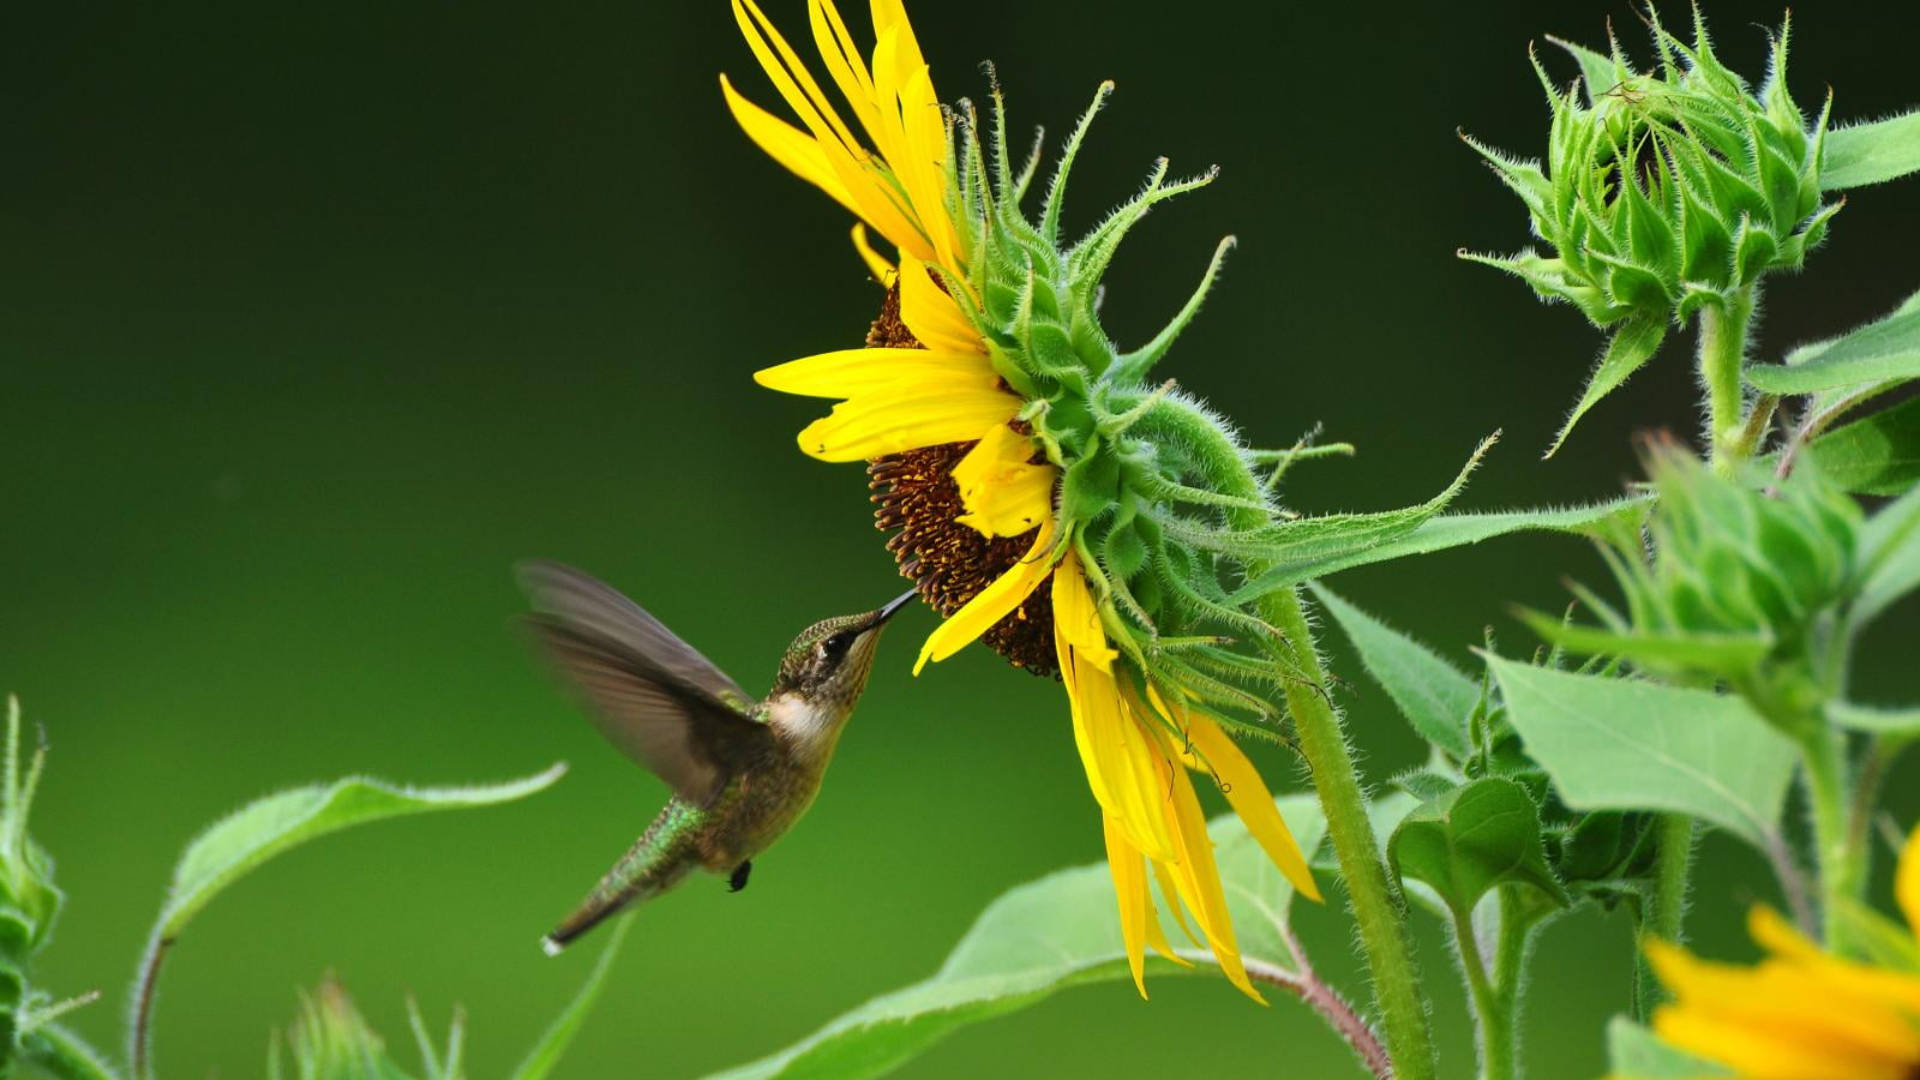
(647, 691)
(587, 604)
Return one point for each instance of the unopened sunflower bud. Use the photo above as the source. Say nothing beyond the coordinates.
(1665, 193)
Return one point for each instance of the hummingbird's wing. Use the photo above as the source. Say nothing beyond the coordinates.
(651, 694)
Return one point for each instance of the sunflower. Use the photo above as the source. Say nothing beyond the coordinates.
(1802, 1013)
(1014, 453)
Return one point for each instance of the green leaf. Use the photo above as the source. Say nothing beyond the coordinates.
(1875, 455)
(1631, 346)
(266, 827)
(1725, 654)
(1887, 350)
(1898, 722)
(1889, 556)
(546, 1053)
(1434, 696)
(1874, 153)
(1638, 1054)
(1623, 744)
(1482, 834)
(1436, 534)
(1062, 930)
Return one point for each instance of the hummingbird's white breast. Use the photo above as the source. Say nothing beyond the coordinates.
(810, 728)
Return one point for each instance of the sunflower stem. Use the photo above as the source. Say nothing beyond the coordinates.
(1491, 1006)
(1842, 864)
(1666, 909)
(1723, 351)
(1379, 909)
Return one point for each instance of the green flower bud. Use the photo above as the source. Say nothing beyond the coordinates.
(1665, 194)
(1728, 583)
(1728, 560)
(1665, 191)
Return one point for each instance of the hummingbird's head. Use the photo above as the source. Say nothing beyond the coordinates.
(827, 665)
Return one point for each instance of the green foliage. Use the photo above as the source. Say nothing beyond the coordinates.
(1875, 455)
(1872, 153)
(331, 1041)
(1880, 355)
(267, 827)
(1623, 744)
(1734, 584)
(1889, 557)
(1060, 931)
(1478, 836)
(546, 1053)
(1435, 697)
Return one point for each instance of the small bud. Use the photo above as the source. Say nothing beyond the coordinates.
(1664, 193)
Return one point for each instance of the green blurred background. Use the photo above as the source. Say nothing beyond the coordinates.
(317, 318)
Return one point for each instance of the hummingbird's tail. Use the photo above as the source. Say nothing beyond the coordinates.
(585, 917)
(655, 863)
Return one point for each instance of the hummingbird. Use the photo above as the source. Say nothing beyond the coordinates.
(742, 771)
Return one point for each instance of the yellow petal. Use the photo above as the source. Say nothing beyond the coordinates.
(794, 149)
(1249, 797)
(870, 191)
(1128, 775)
(846, 373)
(994, 602)
(1003, 494)
(1769, 1052)
(1775, 934)
(1170, 892)
(1198, 879)
(1130, 889)
(892, 419)
(1906, 884)
(843, 61)
(932, 313)
(788, 72)
(1075, 617)
(877, 264)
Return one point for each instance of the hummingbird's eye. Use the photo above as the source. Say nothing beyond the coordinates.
(835, 647)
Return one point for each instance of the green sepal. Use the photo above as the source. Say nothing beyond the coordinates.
(1472, 838)
(1630, 347)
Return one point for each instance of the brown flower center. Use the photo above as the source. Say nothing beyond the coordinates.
(949, 562)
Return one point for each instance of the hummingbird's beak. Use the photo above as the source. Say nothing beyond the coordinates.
(892, 606)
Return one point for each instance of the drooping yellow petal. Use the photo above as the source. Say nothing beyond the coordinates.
(1130, 889)
(1198, 879)
(1003, 493)
(932, 314)
(1247, 793)
(1906, 883)
(1170, 892)
(893, 419)
(795, 150)
(877, 264)
(845, 373)
(1076, 619)
(1128, 775)
(994, 602)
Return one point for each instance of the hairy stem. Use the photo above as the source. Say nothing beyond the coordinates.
(1379, 910)
(1321, 998)
(140, 1025)
(1491, 1005)
(59, 1053)
(1843, 864)
(1665, 914)
(1723, 351)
